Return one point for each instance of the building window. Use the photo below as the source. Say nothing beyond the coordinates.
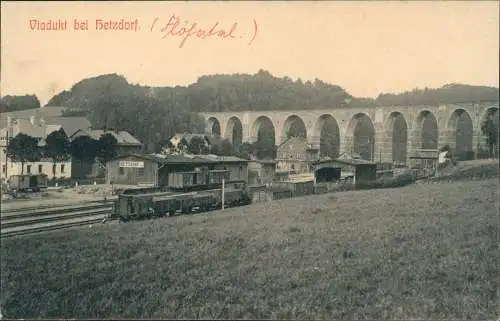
(62, 168)
(140, 171)
(121, 171)
(40, 169)
(4, 168)
(241, 171)
(28, 169)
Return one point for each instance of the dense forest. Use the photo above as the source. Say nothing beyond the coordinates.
(155, 113)
(152, 115)
(263, 91)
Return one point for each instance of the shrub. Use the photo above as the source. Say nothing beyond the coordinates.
(389, 182)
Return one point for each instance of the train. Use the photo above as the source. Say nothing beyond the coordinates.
(186, 193)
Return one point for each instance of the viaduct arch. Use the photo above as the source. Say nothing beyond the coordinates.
(384, 134)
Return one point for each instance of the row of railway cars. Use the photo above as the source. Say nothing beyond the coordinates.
(187, 192)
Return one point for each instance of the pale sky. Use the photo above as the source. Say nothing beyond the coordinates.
(365, 47)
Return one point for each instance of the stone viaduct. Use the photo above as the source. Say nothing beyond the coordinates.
(442, 126)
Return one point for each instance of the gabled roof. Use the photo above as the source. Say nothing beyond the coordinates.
(266, 160)
(47, 111)
(70, 124)
(84, 132)
(123, 138)
(38, 131)
(185, 158)
(211, 140)
(352, 161)
(25, 127)
(294, 140)
(222, 158)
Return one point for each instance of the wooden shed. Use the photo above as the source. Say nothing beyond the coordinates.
(178, 170)
(336, 169)
(132, 170)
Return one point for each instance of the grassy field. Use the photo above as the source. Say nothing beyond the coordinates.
(421, 251)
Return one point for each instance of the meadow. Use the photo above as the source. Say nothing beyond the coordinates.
(420, 251)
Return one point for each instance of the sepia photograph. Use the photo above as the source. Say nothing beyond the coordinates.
(327, 160)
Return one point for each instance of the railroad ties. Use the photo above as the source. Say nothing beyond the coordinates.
(35, 220)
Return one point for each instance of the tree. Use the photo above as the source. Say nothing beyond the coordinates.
(223, 148)
(23, 148)
(15, 103)
(265, 148)
(490, 130)
(57, 148)
(197, 145)
(248, 149)
(84, 149)
(106, 147)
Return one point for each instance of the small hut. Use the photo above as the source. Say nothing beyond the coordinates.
(331, 170)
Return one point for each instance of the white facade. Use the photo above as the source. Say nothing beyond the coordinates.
(62, 170)
(9, 168)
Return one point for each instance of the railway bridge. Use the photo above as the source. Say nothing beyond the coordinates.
(388, 134)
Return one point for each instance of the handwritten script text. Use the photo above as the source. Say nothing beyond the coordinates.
(175, 28)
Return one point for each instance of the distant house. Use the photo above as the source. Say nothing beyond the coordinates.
(296, 155)
(261, 171)
(126, 144)
(37, 113)
(38, 129)
(180, 141)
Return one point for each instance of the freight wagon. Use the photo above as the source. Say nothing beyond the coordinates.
(27, 183)
(187, 192)
(139, 206)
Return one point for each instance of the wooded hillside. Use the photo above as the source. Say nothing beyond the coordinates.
(153, 114)
(14, 103)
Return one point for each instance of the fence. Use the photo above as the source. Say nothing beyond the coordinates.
(283, 190)
(71, 181)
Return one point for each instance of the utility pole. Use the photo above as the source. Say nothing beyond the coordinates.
(223, 186)
(6, 148)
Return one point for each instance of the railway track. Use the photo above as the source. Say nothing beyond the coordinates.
(28, 221)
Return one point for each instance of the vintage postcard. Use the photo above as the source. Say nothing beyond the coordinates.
(249, 160)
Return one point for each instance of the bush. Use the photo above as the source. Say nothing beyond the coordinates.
(390, 182)
(479, 172)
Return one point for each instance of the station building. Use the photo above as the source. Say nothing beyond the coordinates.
(154, 169)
